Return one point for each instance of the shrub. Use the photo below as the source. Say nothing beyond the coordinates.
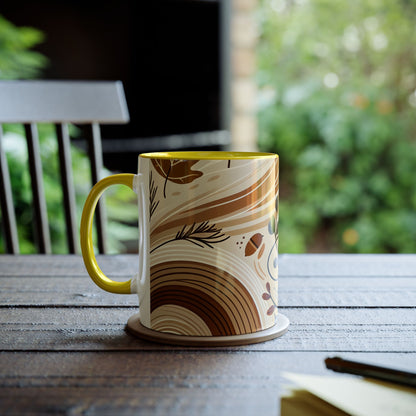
(338, 97)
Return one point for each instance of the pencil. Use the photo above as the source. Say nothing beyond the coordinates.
(372, 371)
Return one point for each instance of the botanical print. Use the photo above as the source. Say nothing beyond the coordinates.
(177, 171)
(153, 203)
(268, 296)
(203, 234)
(213, 246)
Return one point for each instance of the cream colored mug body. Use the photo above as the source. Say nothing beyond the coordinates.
(208, 244)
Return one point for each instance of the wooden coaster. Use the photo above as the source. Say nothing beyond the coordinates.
(135, 327)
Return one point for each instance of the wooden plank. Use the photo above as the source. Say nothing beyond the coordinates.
(382, 330)
(189, 368)
(293, 292)
(370, 265)
(96, 163)
(93, 318)
(63, 101)
(290, 265)
(171, 383)
(45, 291)
(68, 189)
(7, 206)
(347, 292)
(42, 236)
(64, 265)
(143, 401)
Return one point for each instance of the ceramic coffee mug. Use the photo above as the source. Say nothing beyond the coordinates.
(208, 247)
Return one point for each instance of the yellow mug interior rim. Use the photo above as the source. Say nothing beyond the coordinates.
(208, 155)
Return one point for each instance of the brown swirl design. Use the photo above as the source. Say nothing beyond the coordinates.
(220, 301)
(243, 203)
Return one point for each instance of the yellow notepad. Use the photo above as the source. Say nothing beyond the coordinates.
(340, 396)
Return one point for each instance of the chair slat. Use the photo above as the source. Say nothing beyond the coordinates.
(96, 161)
(7, 207)
(68, 190)
(39, 202)
(63, 101)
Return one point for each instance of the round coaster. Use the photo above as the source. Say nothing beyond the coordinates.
(135, 327)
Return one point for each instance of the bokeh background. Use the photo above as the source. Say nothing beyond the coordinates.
(328, 85)
(338, 102)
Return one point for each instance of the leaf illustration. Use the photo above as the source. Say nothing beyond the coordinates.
(271, 310)
(268, 296)
(177, 171)
(202, 235)
(153, 204)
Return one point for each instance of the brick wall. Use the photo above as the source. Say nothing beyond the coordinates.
(243, 66)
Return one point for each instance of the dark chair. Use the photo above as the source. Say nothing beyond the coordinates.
(58, 102)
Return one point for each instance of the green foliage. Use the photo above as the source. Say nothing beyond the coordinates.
(17, 60)
(338, 98)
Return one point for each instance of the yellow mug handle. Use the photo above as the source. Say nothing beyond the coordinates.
(87, 247)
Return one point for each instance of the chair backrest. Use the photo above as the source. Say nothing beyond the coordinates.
(58, 102)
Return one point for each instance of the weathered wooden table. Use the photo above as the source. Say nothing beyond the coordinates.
(64, 349)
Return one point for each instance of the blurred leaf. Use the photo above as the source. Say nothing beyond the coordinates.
(17, 60)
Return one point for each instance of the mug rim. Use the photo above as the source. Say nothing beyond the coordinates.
(208, 155)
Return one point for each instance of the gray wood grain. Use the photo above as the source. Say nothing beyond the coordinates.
(62, 101)
(311, 330)
(64, 348)
(63, 265)
(293, 292)
(138, 400)
(195, 366)
(170, 383)
(293, 265)
(368, 265)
